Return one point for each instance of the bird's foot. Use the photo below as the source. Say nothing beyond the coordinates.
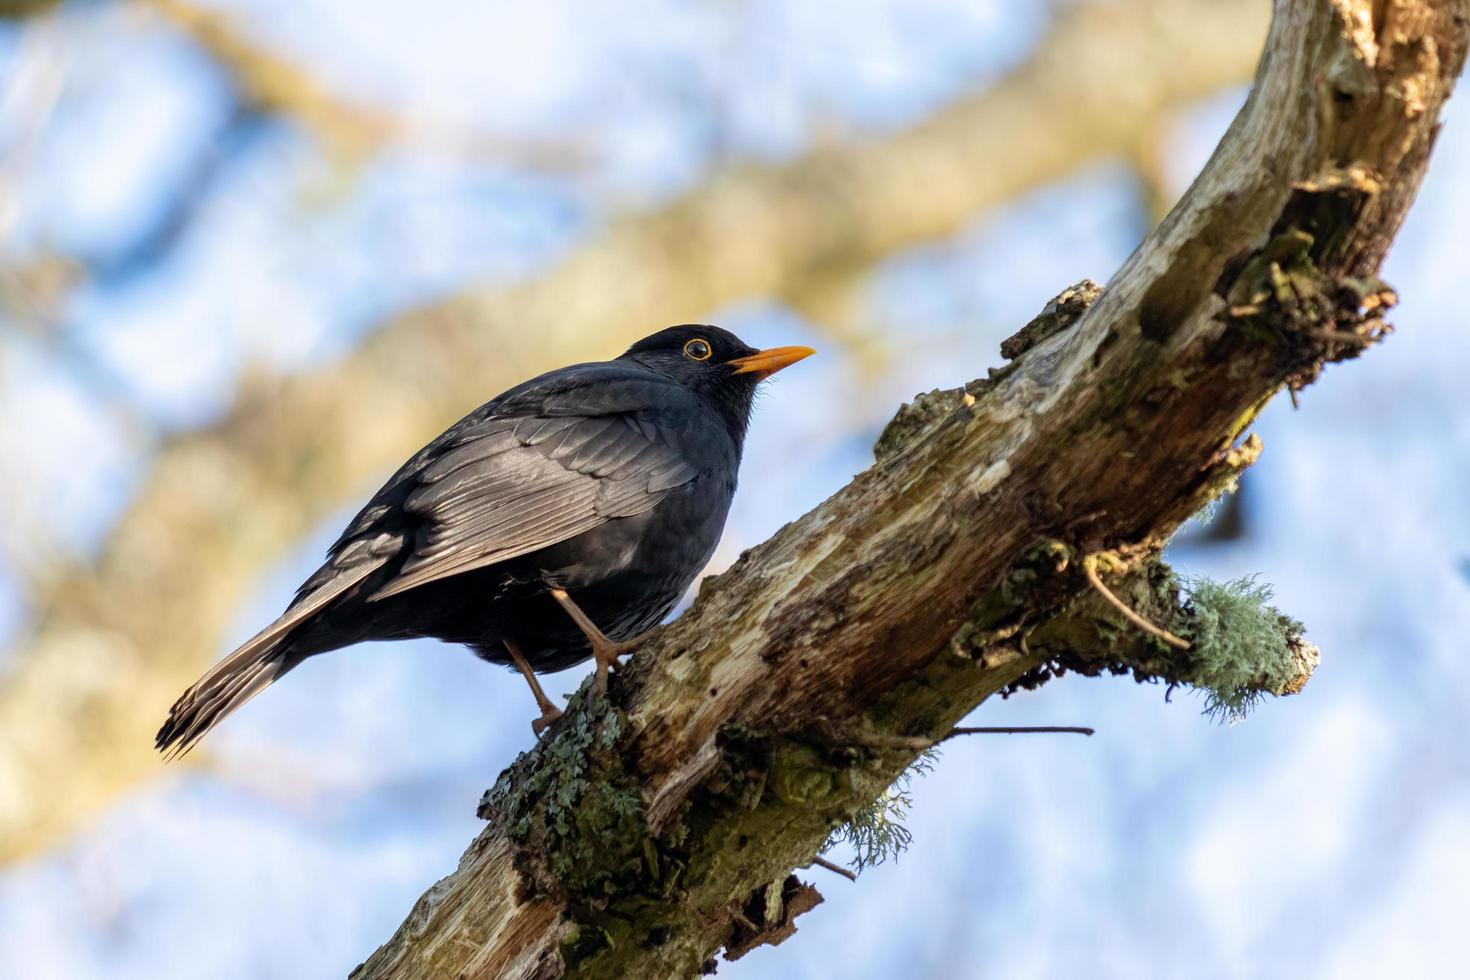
(608, 655)
(549, 714)
(605, 650)
(549, 711)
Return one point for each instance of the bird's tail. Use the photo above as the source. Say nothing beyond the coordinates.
(228, 685)
(255, 665)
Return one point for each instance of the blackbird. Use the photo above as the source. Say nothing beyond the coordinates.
(561, 520)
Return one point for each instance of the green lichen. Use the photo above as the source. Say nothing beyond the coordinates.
(1239, 647)
(801, 776)
(1207, 513)
(571, 797)
(876, 832)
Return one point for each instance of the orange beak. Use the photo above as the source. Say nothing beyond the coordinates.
(767, 362)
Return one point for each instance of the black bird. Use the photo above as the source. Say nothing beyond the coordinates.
(559, 521)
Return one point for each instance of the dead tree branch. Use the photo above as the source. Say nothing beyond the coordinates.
(656, 827)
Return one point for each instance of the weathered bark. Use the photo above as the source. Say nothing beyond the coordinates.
(113, 643)
(654, 828)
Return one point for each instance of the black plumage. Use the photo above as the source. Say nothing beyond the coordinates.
(557, 522)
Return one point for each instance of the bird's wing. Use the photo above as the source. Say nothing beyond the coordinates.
(502, 487)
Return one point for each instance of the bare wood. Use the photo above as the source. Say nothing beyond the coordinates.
(113, 644)
(908, 597)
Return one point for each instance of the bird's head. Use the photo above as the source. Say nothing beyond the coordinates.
(716, 364)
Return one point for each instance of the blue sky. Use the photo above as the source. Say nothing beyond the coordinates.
(1326, 836)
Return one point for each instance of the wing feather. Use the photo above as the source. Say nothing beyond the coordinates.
(493, 443)
(502, 488)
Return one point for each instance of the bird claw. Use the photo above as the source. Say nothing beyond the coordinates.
(606, 661)
(608, 656)
(549, 714)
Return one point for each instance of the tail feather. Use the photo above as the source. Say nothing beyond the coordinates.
(228, 685)
(251, 669)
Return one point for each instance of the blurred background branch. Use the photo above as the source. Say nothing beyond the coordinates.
(350, 133)
(108, 645)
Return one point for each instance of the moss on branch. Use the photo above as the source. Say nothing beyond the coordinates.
(1241, 647)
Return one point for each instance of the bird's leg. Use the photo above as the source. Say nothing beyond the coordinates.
(604, 649)
(549, 711)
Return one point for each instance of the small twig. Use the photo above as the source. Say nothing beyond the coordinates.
(917, 743)
(1020, 730)
(837, 869)
(1089, 568)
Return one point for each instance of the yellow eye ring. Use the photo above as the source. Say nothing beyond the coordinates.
(698, 349)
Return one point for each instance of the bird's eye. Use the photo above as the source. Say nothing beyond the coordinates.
(698, 349)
